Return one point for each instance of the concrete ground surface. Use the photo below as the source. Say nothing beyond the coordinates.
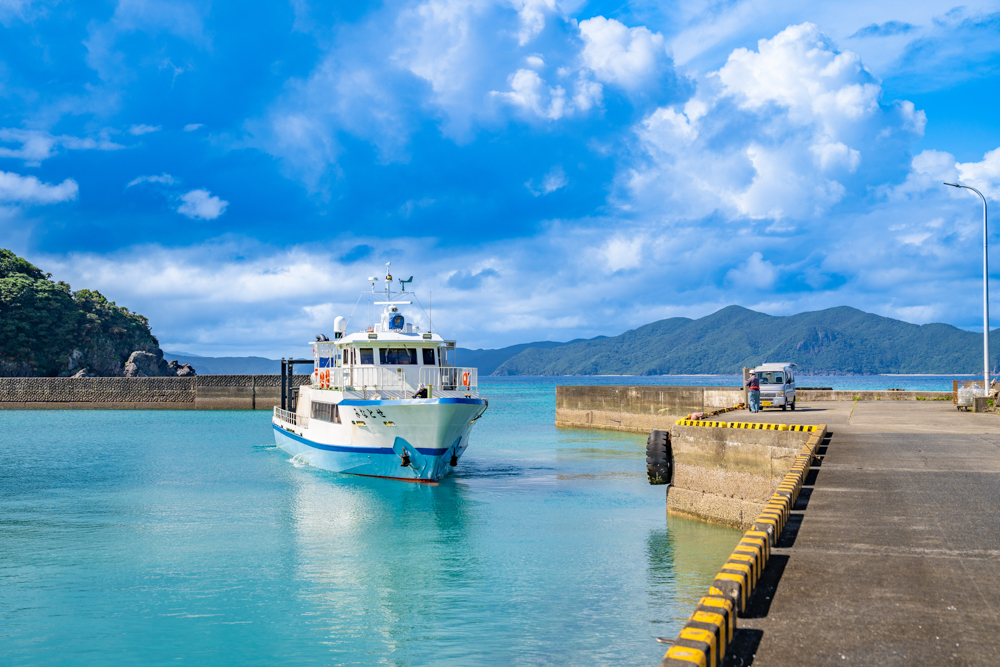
(892, 554)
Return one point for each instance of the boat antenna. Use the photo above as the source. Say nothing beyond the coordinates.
(353, 309)
(430, 326)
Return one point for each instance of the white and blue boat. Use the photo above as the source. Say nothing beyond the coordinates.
(384, 402)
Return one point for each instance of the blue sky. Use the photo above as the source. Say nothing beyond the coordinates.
(549, 170)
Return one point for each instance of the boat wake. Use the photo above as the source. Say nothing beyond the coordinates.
(299, 461)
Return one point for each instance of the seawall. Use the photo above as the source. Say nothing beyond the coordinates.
(202, 392)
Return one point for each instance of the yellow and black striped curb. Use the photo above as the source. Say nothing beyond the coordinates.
(709, 631)
(750, 425)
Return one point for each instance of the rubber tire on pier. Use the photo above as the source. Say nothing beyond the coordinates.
(659, 458)
(784, 406)
(793, 405)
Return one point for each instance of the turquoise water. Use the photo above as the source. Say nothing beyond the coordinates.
(146, 537)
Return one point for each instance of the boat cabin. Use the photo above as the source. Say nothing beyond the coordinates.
(393, 359)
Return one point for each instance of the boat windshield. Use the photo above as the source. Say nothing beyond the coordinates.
(397, 356)
(772, 377)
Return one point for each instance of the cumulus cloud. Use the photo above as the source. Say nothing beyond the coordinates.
(781, 132)
(442, 59)
(621, 253)
(754, 274)
(202, 204)
(38, 145)
(529, 92)
(532, 14)
(191, 127)
(163, 179)
(17, 189)
(617, 54)
(930, 169)
(984, 175)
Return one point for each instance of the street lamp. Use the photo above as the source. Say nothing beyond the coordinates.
(986, 300)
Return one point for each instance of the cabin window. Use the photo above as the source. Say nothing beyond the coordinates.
(428, 356)
(326, 412)
(394, 356)
(367, 356)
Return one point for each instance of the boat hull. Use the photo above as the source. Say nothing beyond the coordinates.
(375, 438)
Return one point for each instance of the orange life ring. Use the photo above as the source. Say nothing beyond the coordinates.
(465, 379)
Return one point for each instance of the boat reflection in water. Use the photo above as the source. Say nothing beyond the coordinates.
(384, 561)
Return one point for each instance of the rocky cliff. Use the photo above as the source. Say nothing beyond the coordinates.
(48, 330)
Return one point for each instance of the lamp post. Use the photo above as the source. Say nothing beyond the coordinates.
(986, 299)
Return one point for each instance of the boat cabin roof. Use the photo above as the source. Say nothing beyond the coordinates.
(376, 338)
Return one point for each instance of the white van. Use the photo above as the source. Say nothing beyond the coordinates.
(777, 385)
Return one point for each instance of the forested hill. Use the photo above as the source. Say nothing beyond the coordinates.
(47, 329)
(836, 340)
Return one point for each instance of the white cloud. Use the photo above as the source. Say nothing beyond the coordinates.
(782, 132)
(139, 130)
(202, 204)
(620, 253)
(529, 92)
(165, 179)
(191, 127)
(17, 189)
(984, 175)
(800, 70)
(617, 54)
(754, 274)
(531, 14)
(37, 145)
(553, 180)
(930, 169)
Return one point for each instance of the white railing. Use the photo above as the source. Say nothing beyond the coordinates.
(370, 381)
(286, 416)
(374, 382)
(450, 381)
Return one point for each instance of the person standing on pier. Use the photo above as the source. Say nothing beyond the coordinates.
(753, 393)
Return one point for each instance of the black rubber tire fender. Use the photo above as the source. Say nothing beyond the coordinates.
(659, 458)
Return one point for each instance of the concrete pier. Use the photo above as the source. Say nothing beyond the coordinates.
(890, 553)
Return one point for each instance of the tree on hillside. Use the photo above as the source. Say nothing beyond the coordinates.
(46, 329)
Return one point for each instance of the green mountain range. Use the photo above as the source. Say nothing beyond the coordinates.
(835, 340)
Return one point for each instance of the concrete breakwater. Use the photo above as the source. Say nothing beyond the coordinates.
(202, 392)
(643, 408)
